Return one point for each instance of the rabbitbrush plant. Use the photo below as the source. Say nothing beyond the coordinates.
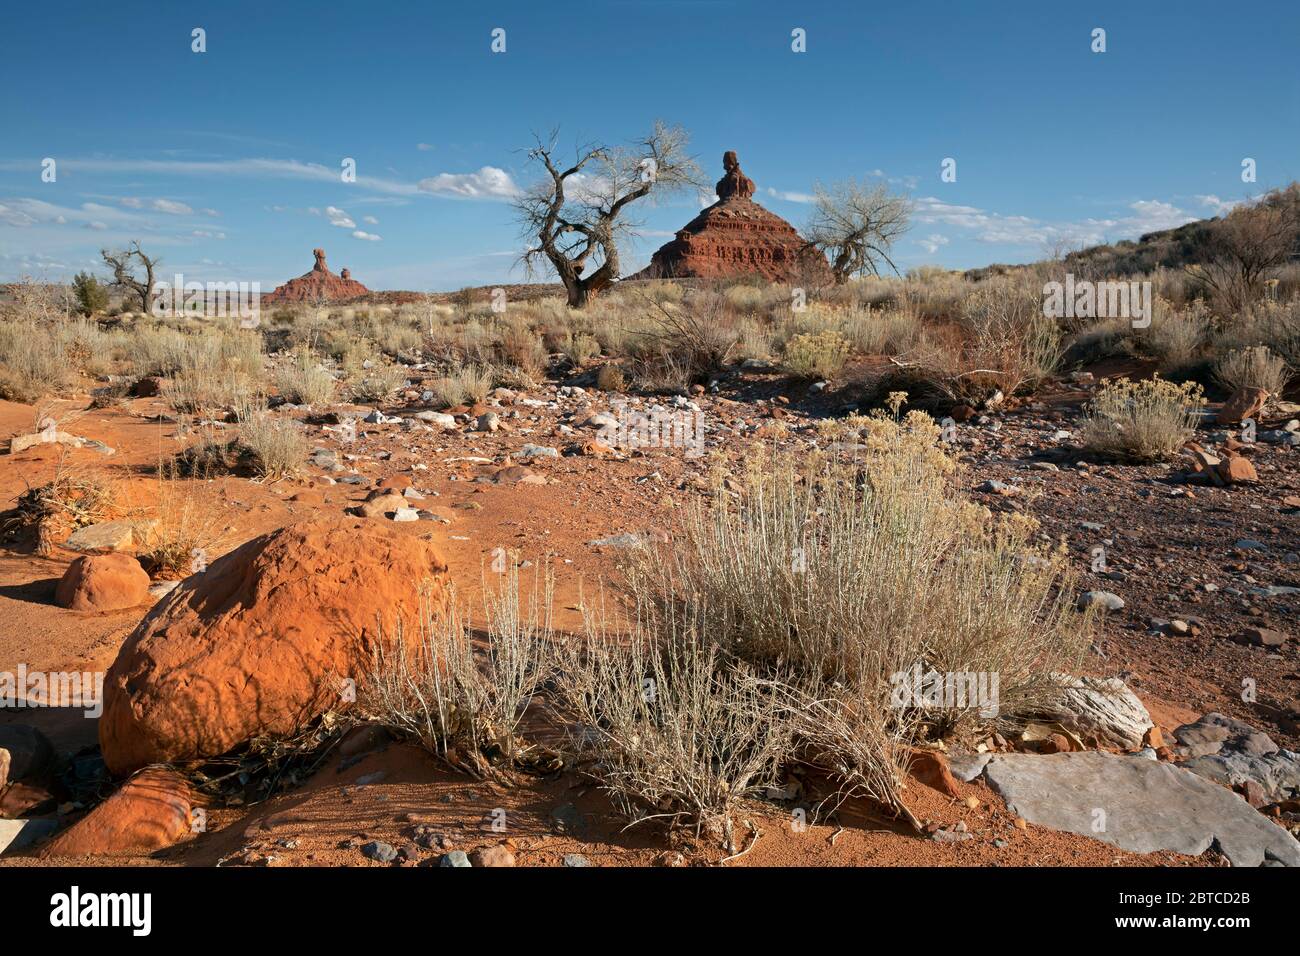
(1149, 420)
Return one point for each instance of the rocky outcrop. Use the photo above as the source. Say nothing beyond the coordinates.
(264, 640)
(318, 285)
(737, 237)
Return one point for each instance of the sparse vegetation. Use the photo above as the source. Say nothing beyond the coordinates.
(1148, 420)
(1254, 367)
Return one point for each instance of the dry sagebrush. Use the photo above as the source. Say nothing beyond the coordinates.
(1149, 420)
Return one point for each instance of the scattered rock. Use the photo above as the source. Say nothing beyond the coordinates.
(28, 754)
(456, 858)
(492, 856)
(20, 834)
(1103, 599)
(931, 768)
(1233, 753)
(102, 538)
(102, 582)
(1261, 637)
(1244, 403)
(575, 859)
(379, 851)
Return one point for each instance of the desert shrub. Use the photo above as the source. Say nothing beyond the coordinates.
(1275, 325)
(885, 332)
(685, 343)
(1254, 367)
(818, 355)
(375, 380)
(1107, 338)
(679, 731)
(748, 298)
(610, 378)
(74, 497)
(1012, 343)
(276, 446)
(1149, 420)
(465, 704)
(831, 577)
(582, 348)
(1174, 337)
(305, 381)
(467, 385)
(519, 345)
(216, 369)
(33, 361)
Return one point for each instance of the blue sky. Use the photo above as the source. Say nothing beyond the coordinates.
(226, 163)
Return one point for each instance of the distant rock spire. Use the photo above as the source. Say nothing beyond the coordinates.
(733, 183)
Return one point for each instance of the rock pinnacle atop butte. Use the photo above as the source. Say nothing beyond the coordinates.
(319, 285)
(738, 237)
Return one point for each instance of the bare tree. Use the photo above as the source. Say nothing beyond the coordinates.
(1248, 244)
(856, 225)
(122, 264)
(573, 219)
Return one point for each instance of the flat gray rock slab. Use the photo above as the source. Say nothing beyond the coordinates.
(1138, 805)
(967, 767)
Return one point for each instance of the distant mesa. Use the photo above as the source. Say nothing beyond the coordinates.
(319, 285)
(737, 237)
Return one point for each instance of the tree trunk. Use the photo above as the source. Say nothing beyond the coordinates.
(578, 294)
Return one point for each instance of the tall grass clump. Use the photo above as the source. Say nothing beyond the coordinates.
(465, 702)
(305, 381)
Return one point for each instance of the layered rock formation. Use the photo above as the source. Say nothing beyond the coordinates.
(319, 285)
(738, 237)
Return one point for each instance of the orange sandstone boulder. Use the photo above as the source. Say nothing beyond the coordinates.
(1245, 402)
(102, 582)
(264, 640)
(150, 812)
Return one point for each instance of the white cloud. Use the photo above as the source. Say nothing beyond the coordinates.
(488, 183)
(371, 220)
(338, 217)
(789, 196)
(96, 225)
(423, 147)
(932, 242)
(205, 234)
(15, 217)
(1146, 215)
(1220, 207)
(368, 236)
(133, 202)
(171, 207)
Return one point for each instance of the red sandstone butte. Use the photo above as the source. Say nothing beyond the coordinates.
(319, 285)
(738, 237)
